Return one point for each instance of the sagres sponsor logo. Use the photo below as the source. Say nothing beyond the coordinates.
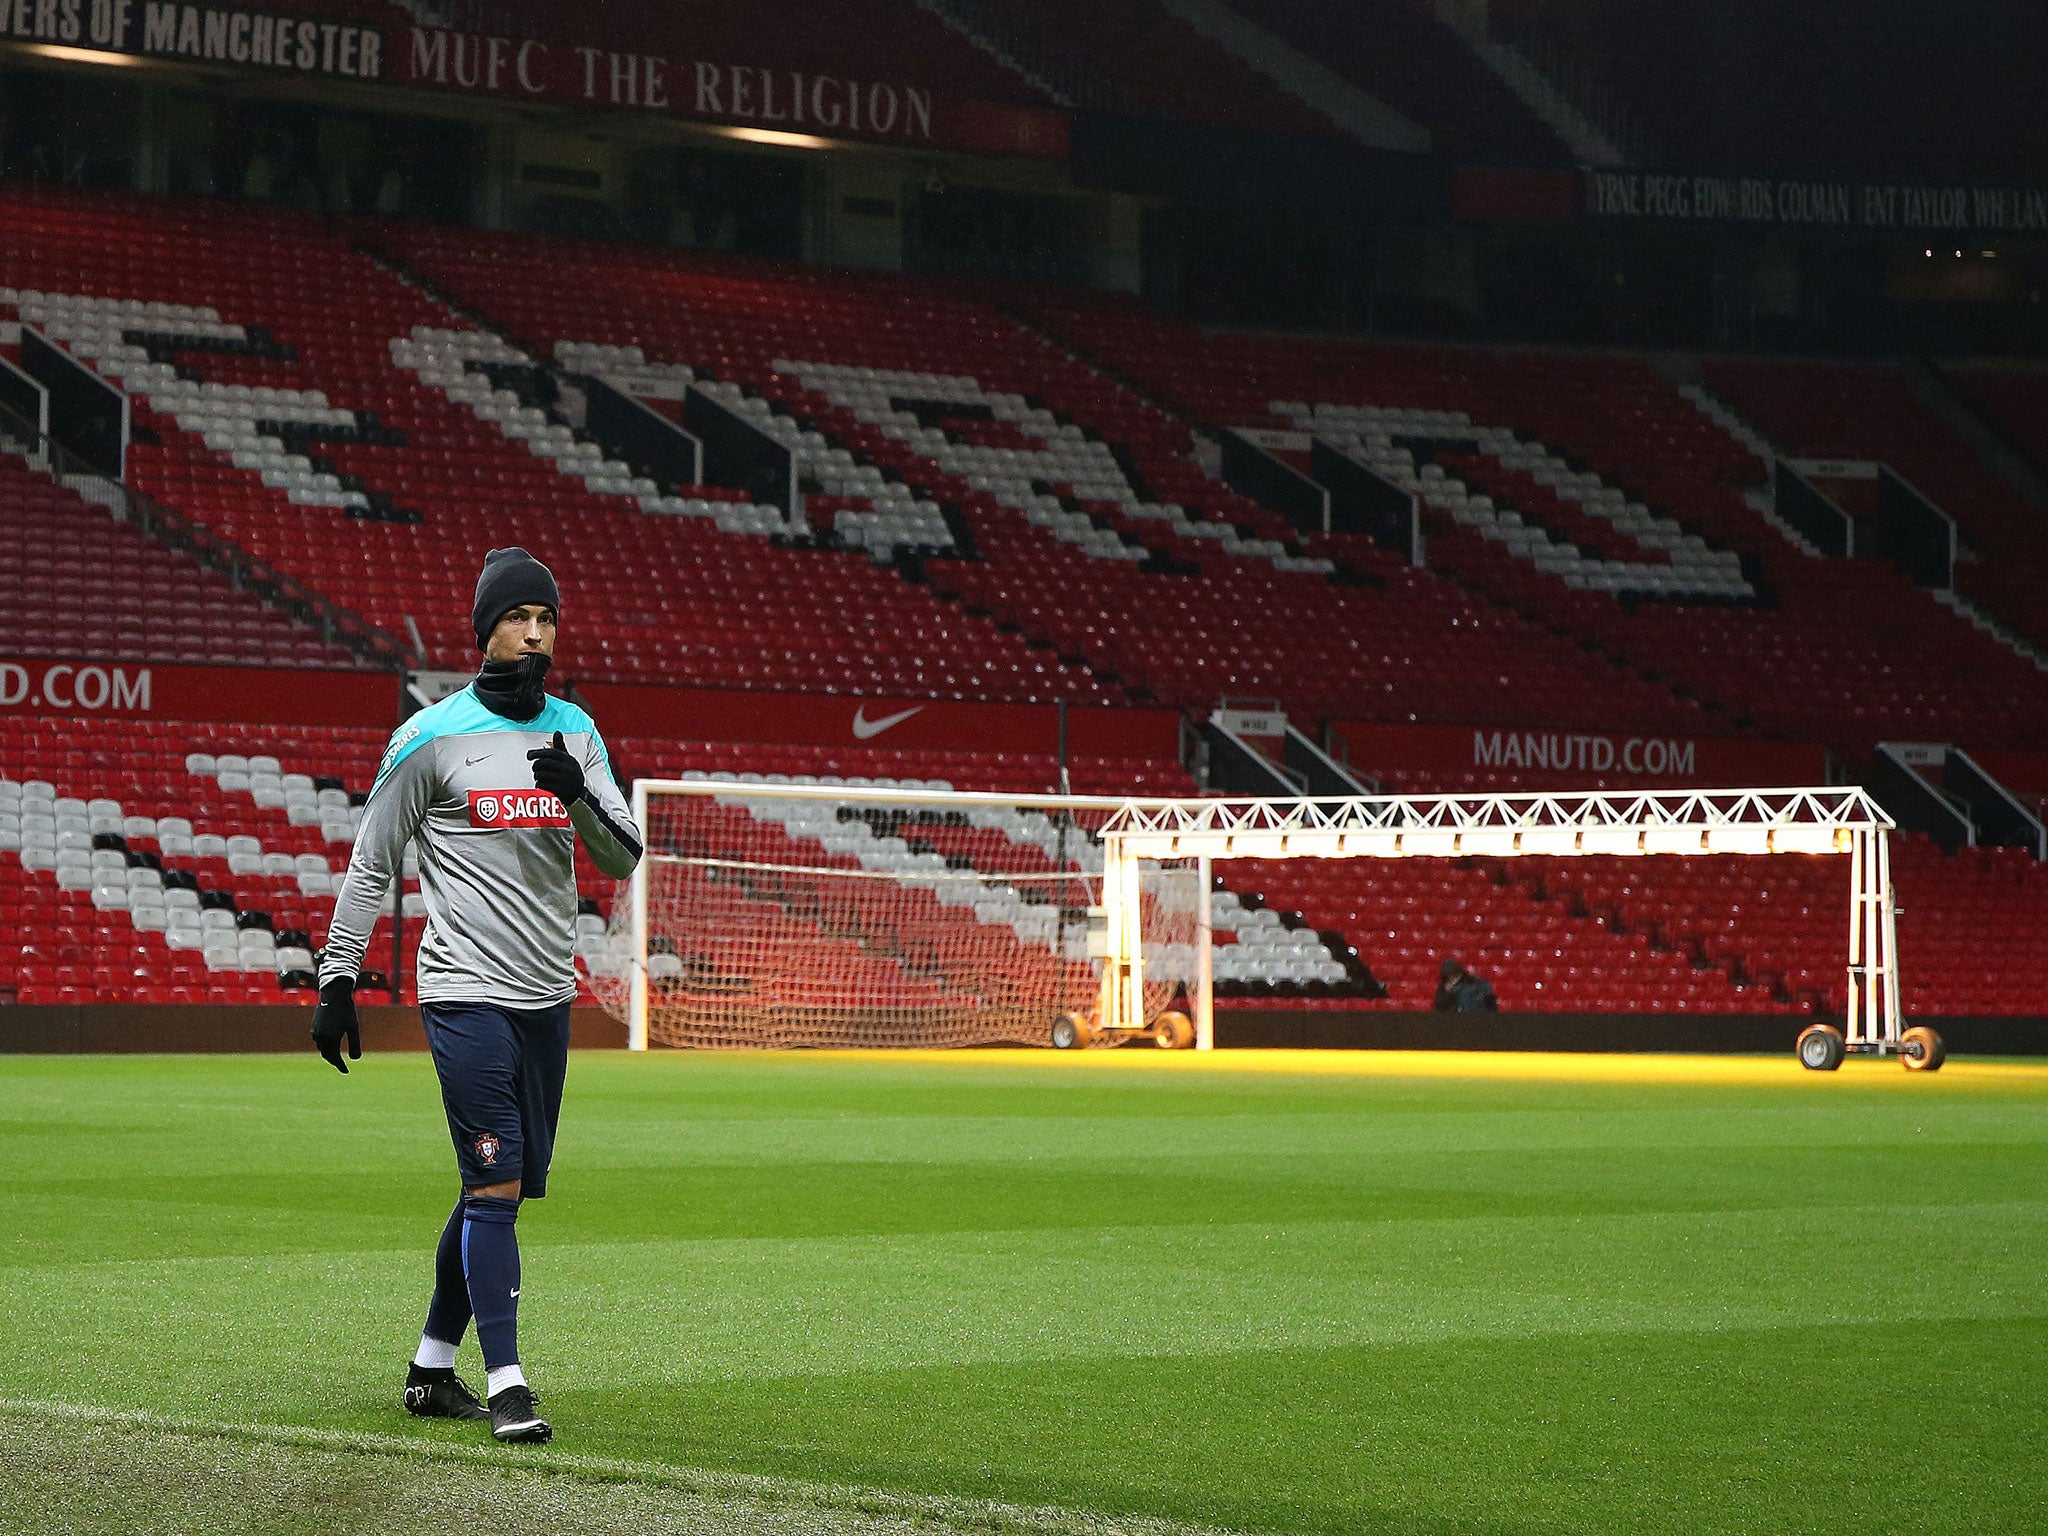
(516, 808)
(863, 727)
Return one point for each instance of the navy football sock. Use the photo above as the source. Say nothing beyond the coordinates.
(490, 1260)
(448, 1312)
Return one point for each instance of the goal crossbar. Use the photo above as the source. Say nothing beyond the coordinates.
(1827, 820)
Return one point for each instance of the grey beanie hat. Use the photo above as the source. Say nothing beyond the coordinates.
(510, 579)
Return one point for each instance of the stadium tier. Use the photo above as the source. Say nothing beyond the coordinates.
(1089, 528)
(1847, 649)
(997, 513)
(196, 863)
(77, 582)
(1872, 413)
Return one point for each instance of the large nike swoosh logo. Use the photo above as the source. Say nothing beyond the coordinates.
(863, 727)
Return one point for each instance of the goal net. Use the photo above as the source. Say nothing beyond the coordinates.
(771, 914)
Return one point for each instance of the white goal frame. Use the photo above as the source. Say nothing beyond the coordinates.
(1126, 928)
(1831, 820)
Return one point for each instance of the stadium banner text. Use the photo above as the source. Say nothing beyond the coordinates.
(1574, 758)
(149, 690)
(836, 720)
(749, 94)
(1647, 196)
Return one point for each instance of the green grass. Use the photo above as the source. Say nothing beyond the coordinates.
(817, 1293)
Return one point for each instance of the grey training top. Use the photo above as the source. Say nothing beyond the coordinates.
(497, 855)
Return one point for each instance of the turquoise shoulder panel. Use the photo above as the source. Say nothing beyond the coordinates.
(464, 714)
(561, 715)
(460, 714)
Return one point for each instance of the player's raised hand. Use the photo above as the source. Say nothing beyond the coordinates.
(334, 1020)
(555, 771)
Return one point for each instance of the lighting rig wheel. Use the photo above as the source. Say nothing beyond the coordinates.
(1821, 1047)
(1173, 1031)
(1921, 1050)
(1070, 1032)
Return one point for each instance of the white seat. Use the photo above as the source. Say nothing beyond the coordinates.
(245, 864)
(244, 843)
(182, 899)
(171, 846)
(209, 845)
(311, 863)
(218, 920)
(279, 864)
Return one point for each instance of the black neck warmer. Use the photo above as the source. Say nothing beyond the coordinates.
(513, 688)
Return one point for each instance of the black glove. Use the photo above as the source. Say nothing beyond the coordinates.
(335, 1020)
(555, 771)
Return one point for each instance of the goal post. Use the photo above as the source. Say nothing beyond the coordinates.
(780, 914)
(1833, 820)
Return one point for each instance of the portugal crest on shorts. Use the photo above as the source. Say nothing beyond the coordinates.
(487, 1150)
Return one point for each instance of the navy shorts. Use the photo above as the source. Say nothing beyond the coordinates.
(501, 1075)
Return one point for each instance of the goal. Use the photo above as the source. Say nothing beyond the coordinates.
(779, 914)
(1832, 820)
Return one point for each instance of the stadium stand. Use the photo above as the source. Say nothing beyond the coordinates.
(1182, 590)
(1008, 520)
(1870, 412)
(386, 522)
(1828, 649)
(76, 582)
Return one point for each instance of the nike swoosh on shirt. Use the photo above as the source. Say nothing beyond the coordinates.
(863, 727)
(471, 762)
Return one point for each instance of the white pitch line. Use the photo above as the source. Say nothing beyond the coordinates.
(988, 1515)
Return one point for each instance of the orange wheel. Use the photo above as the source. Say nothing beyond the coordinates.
(1922, 1050)
(1173, 1031)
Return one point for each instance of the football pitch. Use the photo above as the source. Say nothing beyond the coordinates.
(1012, 1291)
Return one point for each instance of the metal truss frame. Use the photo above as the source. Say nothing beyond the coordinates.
(1825, 820)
